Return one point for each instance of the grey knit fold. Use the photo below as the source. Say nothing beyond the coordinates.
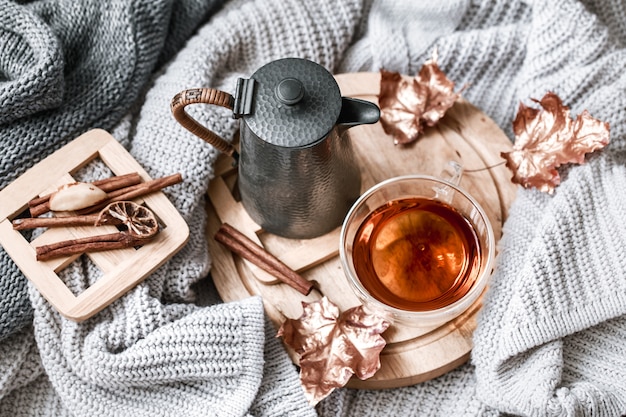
(31, 64)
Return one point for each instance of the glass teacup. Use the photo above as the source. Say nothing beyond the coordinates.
(418, 248)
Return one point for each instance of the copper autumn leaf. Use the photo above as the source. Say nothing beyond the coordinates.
(333, 346)
(546, 139)
(409, 106)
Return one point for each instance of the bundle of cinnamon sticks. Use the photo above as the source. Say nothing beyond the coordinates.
(240, 244)
(115, 208)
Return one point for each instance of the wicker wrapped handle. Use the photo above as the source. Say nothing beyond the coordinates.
(206, 96)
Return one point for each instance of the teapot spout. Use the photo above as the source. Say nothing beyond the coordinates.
(356, 112)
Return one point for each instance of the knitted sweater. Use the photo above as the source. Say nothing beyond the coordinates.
(550, 337)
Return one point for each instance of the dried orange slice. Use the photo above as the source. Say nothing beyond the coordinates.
(139, 221)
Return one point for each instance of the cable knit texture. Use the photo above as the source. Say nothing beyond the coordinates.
(550, 337)
(551, 334)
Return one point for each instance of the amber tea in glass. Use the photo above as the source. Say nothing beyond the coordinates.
(418, 247)
(416, 254)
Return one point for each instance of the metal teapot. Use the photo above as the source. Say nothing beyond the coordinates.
(297, 175)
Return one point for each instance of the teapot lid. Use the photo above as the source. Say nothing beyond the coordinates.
(297, 102)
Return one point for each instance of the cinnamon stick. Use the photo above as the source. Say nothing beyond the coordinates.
(87, 244)
(117, 182)
(240, 244)
(135, 191)
(41, 205)
(67, 221)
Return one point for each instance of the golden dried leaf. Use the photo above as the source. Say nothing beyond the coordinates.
(548, 138)
(333, 346)
(409, 106)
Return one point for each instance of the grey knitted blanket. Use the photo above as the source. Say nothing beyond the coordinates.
(66, 68)
(551, 335)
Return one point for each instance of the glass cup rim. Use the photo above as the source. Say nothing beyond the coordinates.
(429, 317)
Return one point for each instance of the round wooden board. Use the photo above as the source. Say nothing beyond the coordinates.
(412, 355)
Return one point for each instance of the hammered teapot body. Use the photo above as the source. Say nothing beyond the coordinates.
(297, 173)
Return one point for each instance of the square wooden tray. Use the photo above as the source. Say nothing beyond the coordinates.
(121, 269)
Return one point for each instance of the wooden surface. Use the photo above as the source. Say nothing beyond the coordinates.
(412, 355)
(121, 269)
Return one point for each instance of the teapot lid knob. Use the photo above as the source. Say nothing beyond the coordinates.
(289, 91)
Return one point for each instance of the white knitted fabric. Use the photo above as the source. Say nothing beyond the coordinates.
(552, 333)
(551, 336)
